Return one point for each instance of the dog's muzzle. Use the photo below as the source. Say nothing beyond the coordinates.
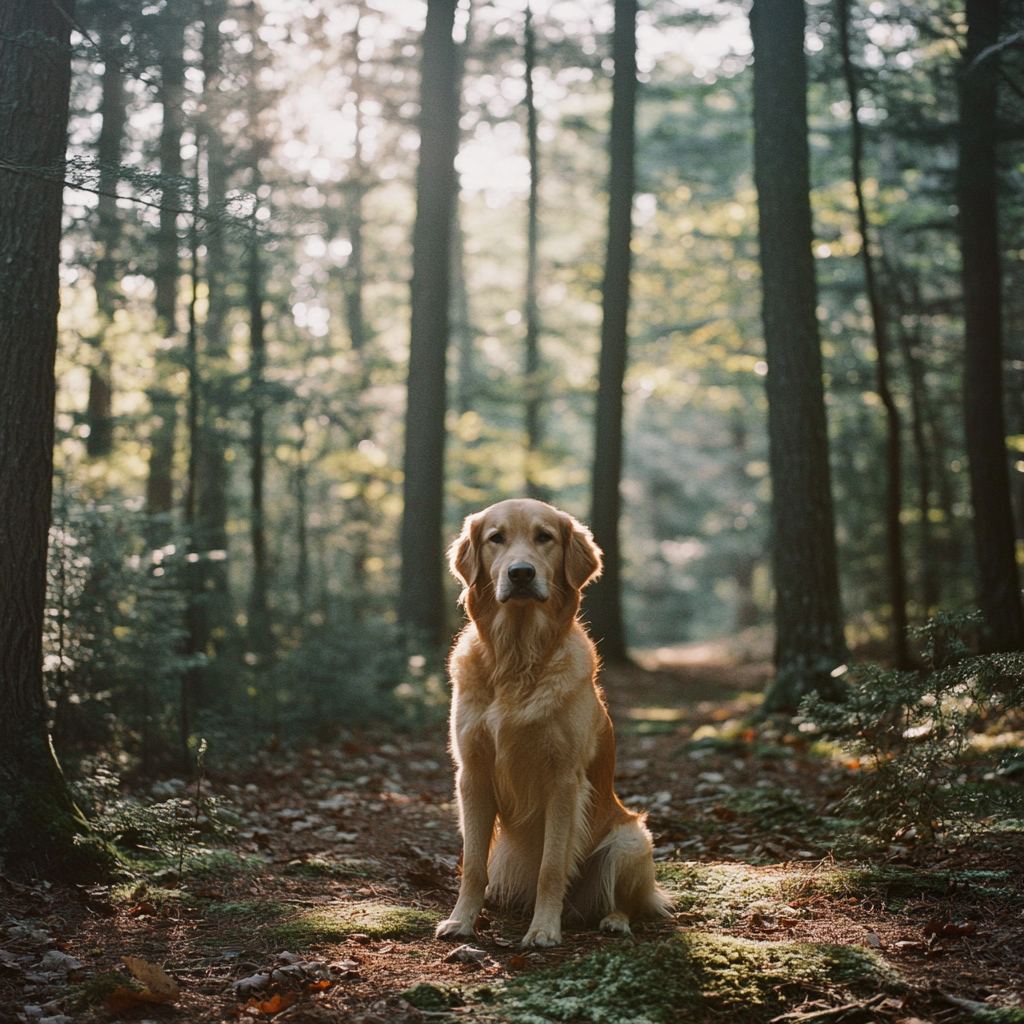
(519, 582)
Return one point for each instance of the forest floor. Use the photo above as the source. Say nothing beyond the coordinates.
(321, 906)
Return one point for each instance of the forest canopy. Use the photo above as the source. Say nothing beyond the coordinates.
(235, 333)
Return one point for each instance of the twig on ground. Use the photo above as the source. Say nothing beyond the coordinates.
(835, 1011)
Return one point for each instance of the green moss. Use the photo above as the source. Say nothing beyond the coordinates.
(896, 883)
(687, 976)
(332, 924)
(210, 865)
(718, 891)
(258, 911)
(96, 989)
(317, 867)
(138, 892)
(433, 998)
(998, 1015)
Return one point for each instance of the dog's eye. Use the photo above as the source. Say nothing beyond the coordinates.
(543, 537)
(497, 538)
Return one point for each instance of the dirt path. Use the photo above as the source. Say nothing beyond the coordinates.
(322, 906)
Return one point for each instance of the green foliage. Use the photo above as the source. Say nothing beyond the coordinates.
(113, 633)
(172, 832)
(913, 734)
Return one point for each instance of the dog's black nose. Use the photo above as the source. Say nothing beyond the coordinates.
(521, 572)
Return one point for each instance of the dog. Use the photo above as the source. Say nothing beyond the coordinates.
(531, 738)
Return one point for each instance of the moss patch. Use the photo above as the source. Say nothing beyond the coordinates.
(96, 989)
(317, 867)
(896, 883)
(719, 892)
(332, 924)
(688, 975)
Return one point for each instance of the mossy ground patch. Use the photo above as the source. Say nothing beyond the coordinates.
(333, 924)
(659, 982)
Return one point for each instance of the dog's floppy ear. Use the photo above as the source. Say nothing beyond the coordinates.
(463, 555)
(582, 555)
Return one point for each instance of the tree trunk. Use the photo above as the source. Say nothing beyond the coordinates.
(998, 583)
(809, 641)
(39, 822)
(210, 529)
(259, 621)
(894, 467)
(98, 415)
(421, 602)
(604, 598)
(532, 382)
(160, 483)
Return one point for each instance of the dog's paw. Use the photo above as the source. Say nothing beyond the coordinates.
(453, 928)
(616, 923)
(542, 937)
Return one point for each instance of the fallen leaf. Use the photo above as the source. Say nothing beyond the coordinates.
(159, 984)
(209, 894)
(318, 986)
(956, 930)
(143, 909)
(518, 962)
(724, 813)
(788, 922)
(275, 1004)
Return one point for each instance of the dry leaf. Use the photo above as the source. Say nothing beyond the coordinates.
(518, 962)
(158, 982)
(275, 1004)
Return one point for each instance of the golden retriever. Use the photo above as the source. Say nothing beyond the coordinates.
(532, 741)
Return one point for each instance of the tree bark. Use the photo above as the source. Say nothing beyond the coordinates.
(998, 582)
(209, 533)
(421, 601)
(39, 822)
(603, 605)
(894, 466)
(532, 382)
(809, 642)
(98, 416)
(259, 623)
(160, 482)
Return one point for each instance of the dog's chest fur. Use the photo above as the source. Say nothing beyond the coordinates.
(522, 731)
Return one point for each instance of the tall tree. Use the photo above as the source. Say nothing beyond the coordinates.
(208, 600)
(39, 822)
(894, 466)
(604, 598)
(421, 601)
(998, 583)
(809, 642)
(533, 373)
(160, 483)
(108, 228)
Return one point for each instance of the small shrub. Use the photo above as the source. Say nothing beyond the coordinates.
(912, 734)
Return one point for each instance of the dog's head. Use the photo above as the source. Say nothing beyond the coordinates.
(523, 551)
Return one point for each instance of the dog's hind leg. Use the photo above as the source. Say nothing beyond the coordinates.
(477, 813)
(628, 884)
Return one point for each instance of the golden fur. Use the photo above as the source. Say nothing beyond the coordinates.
(531, 738)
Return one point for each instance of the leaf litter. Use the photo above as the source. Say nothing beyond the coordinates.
(333, 919)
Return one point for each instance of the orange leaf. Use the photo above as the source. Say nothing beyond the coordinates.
(318, 986)
(143, 908)
(277, 1003)
(517, 963)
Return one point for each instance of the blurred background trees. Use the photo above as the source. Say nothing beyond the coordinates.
(231, 449)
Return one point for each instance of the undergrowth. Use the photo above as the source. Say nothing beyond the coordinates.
(914, 737)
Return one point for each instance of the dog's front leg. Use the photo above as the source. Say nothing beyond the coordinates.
(477, 811)
(559, 829)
